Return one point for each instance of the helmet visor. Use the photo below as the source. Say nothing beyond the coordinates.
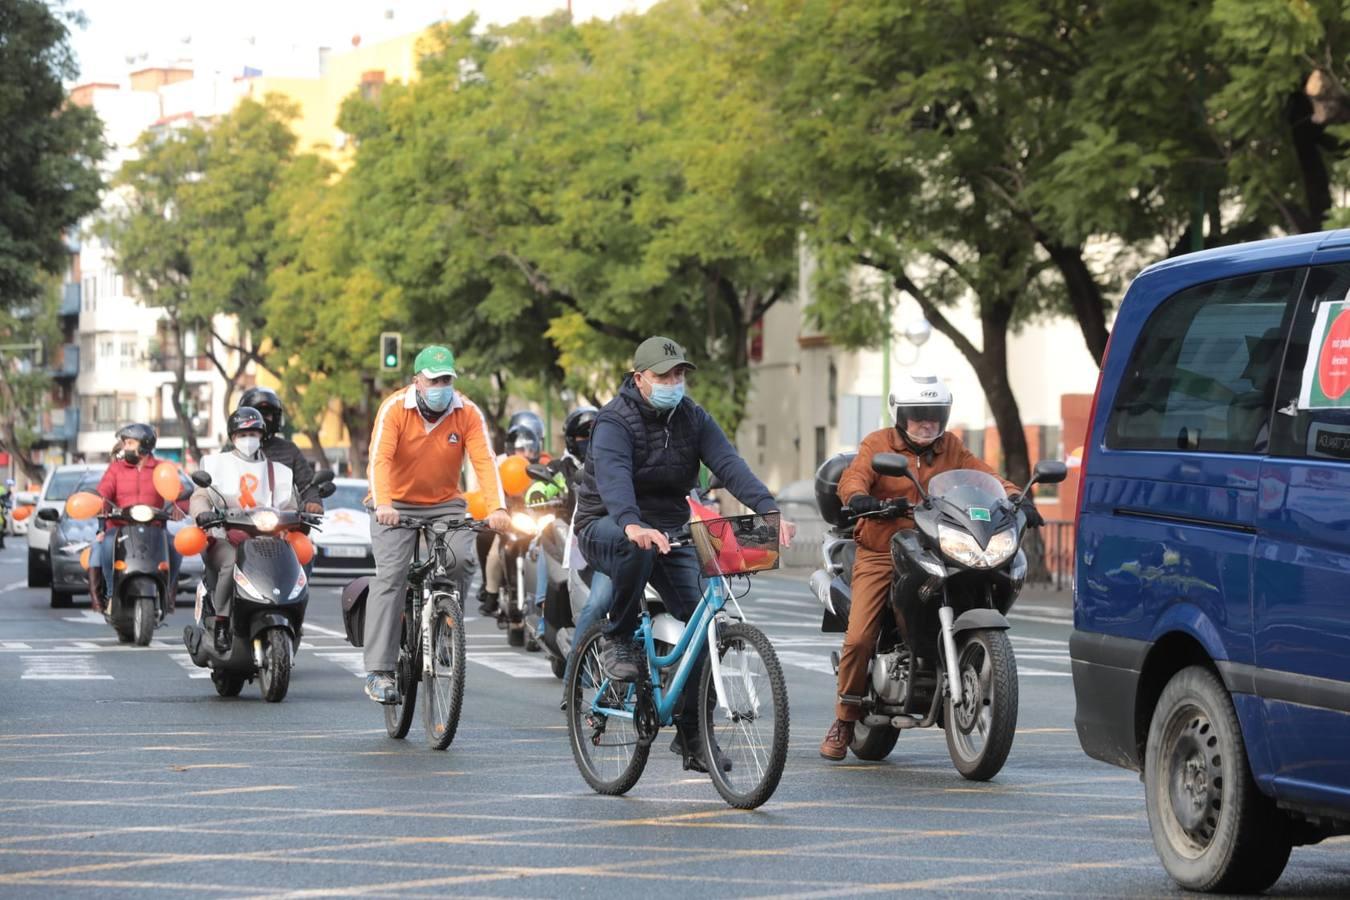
(929, 413)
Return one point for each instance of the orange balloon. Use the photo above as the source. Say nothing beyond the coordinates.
(22, 513)
(84, 558)
(514, 477)
(167, 482)
(478, 504)
(302, 545)
(83, 505)
(190, 541)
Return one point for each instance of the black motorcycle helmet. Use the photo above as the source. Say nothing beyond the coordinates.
(577, 429)
(265, 401)
(522, 437)
(141, 432)
(529, 420)
(245, 418)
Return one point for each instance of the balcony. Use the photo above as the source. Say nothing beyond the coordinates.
(67, 365)
(72, 239)
(172, 428)
(60, 426)
(168, 362)
(70, 299)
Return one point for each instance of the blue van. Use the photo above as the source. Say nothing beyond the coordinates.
(1211, 643)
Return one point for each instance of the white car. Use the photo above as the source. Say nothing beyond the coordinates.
(342, 547)
(21, 498)
(61, 482)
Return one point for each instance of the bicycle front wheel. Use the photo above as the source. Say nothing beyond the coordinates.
(444, 685)
(745, 736)
(600, 722)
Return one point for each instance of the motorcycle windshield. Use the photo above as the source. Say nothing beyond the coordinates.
(977, 494)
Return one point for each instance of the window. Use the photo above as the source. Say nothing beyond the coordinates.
(1323, 430)
(859, 416)
(1048, 448)
(834, 396)
(1202, 377)
(106, 347)
(820, 446)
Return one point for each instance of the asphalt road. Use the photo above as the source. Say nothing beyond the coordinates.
(123, 774)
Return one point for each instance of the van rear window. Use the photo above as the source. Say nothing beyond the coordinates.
(1202, 376)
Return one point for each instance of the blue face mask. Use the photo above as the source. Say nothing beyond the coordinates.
(667, 396)
(439, 398)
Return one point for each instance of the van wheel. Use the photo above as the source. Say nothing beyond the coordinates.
(39, 575)
(1211, 826)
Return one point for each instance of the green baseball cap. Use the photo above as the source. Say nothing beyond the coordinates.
(660, 354)
(434, 362)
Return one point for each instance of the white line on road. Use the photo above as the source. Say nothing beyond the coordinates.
(353, 661)
(327, 632)
(193, 670)
(14, 645)
(63, 668)
(1059, 611)
(812, 661)
(17, 585)
(514, 664)
(1048, 620)
(87, 617)
(1044, 672)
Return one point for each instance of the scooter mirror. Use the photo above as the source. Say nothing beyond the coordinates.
(893, 464)
(323, 477)
(201, 478)
(538, 472)
(1049, 471)
(327, 489)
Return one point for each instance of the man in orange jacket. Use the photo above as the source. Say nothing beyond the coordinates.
(417, 449)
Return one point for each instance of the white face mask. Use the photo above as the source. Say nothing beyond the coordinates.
(248, 444)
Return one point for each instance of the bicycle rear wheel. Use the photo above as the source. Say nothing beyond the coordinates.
(398, 716)
(606, 747)
(445, 685)
(751, 731)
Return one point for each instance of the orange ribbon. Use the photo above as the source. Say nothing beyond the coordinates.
(247, 485)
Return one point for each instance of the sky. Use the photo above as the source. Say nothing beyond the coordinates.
(280, 37)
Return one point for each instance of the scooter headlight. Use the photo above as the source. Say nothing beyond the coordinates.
(299, 586)
(142, 513)
(241, 581)
(265, 520)
(523, 523)
(963, 548)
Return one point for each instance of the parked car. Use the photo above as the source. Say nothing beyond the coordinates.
(342, 547)
(18, 527)
(61, 482)
(1211, 647)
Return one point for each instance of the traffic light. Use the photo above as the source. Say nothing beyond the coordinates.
(391, 351)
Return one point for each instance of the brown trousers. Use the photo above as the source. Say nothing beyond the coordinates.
(872, 573)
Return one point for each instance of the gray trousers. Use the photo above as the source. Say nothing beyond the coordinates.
(393, 550)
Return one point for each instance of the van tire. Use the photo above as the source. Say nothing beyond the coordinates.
(1232, 839)
(39, 574)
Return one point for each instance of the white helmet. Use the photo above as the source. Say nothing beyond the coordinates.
(922, 398)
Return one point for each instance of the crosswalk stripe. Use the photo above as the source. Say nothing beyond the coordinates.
(352, 660)
(62, 668)
(192, 669)
(514, 664)
(812, 661)
(14, 645)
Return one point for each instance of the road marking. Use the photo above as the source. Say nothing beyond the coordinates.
(353, 661)
(806, 661)
(1059, 611)
(14, 586)
(87, 617)
(193, 670)
(514, 664)
(1043, 673)
(63, 668)
(85, 645)
(14, 645)
(326, 632)
(1047, 620)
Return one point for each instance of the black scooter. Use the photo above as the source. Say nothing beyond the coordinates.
(271, 594)
(141, 595)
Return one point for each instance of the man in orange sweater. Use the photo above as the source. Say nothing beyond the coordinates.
(417, 448)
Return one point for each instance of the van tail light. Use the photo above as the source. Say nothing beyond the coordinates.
(1087, 441)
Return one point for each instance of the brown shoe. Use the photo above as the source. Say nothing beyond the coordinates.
(837, 739)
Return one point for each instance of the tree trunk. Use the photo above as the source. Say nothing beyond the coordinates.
(358, 423)
(316, 454)
(180, 391)
(11, 445)
(1307, 139)
(1085, 295)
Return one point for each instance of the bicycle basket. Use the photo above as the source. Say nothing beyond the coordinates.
(736, 545)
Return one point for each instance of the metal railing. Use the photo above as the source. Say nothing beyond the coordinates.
(1058, 549)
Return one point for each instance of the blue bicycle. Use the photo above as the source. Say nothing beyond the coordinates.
(741, 694)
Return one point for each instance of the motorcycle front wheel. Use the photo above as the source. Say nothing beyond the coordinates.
(275, 677)
(980, 729)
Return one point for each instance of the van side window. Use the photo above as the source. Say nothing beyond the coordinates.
(1202, 377)
(1322, 432)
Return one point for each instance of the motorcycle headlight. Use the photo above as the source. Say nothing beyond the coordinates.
(142, 513)
(523, 523)
(963, 548)
(265, 519)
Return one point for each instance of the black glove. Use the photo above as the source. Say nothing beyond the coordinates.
(206, 519)
(861, 504)
(1028, 507)
(898, 507)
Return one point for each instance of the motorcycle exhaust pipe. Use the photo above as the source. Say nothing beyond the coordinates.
(820, 586)
(946, 617)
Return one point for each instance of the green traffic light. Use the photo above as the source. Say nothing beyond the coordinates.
(391, 361)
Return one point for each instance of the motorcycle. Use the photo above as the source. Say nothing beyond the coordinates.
(141, 595)
(942, 656)
(517, 611)
(271, 593)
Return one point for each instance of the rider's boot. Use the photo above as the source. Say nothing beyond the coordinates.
(837, 740)
(223, 640)
(487, 603)
(688, 743)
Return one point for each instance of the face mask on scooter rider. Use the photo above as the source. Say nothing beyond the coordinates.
(131, 457)
(248, 444)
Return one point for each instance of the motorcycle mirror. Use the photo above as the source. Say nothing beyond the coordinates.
(1049, 471)
(324, 477)
(327, 489)
(538, 472)
(201, 478)
(47, 514)
(897, 466)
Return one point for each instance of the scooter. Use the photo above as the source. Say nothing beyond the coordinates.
(517, 611)
(271, 593)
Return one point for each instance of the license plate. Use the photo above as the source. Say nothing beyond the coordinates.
(349, 552)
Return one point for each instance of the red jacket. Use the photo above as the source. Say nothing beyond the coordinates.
(126, 485)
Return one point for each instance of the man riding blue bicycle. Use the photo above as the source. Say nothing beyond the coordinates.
(644, 459)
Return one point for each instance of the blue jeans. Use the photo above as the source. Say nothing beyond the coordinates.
(598, 602)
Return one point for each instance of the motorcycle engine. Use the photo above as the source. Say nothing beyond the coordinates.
(890, 677)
